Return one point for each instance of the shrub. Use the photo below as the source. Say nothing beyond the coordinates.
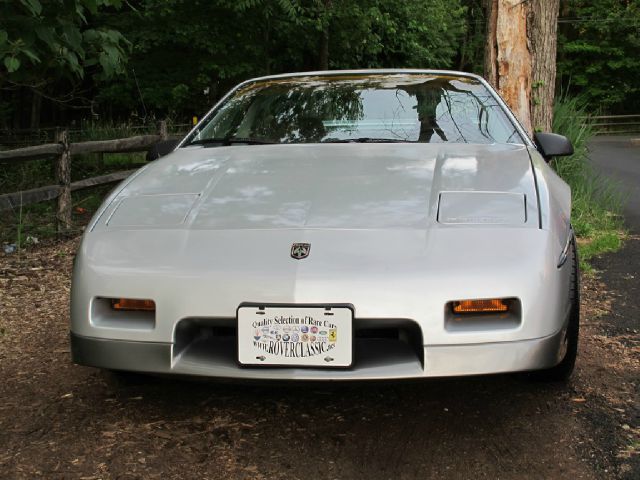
(597, 202)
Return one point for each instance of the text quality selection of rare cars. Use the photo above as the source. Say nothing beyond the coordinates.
(347, 225)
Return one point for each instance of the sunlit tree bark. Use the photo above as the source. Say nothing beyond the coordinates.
(520, 57)
(543, 35)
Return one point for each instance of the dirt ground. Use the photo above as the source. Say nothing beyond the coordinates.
(58, 420)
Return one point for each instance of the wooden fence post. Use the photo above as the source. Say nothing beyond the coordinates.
(162, 130)
(63, 179)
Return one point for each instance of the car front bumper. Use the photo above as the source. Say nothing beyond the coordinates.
(375, 359)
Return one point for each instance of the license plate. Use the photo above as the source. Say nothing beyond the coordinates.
(295, 336)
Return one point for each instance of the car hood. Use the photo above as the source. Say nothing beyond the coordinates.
(331, 186)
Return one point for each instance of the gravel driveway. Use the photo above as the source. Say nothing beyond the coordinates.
(58, 420)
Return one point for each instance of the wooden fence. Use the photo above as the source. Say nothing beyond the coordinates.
(615, 124)
(18, 138)
(61, 153)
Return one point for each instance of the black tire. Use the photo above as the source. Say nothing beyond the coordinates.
(563, 370)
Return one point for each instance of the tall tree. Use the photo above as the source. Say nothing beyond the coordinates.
(543, 37)
(520, 57)
(508, 62)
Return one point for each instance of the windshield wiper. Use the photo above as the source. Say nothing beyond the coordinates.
(229, 141)
(366, 140)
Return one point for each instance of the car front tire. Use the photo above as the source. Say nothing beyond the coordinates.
(562, 371)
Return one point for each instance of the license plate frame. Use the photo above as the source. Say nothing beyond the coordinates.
(282, 319)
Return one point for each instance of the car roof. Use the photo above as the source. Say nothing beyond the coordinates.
(374, 71)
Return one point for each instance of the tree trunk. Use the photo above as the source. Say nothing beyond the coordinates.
(543, 35)
(266, 38)
(490, 46)
(520, 56)
(463, 51)
(507, 57)
(36, 104)
(323, 60)
(4, 119)
(17, 108)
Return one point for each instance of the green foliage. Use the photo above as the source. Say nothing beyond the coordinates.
(186, 55)
(55, 38)
(38, 220)
(598, 53)
(391, 33)
(597, 205)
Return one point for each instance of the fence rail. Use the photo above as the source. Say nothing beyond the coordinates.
(614, 124)
(17, 138)
(12, 201)
(61, 153)
(120, 145)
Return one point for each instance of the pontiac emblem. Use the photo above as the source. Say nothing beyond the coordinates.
(300, 250)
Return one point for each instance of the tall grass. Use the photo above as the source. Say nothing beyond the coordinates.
(597, 202)
(91, 130)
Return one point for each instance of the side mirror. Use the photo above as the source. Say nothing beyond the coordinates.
(553, 145)
(161, 149)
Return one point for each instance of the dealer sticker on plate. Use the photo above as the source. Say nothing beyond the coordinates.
(295, 336)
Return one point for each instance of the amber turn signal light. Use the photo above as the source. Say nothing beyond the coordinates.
(131, 304)
(493, 305)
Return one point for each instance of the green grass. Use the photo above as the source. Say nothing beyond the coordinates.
(108, 130)
(601, 243)
(597, 203)
(38, 220)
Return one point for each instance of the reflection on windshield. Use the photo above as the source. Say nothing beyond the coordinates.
(394, 108)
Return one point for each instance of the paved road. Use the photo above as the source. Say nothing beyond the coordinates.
(617, 158)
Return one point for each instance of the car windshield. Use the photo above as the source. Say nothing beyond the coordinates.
(359, 108)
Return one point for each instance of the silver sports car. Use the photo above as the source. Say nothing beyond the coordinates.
(351, 225)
